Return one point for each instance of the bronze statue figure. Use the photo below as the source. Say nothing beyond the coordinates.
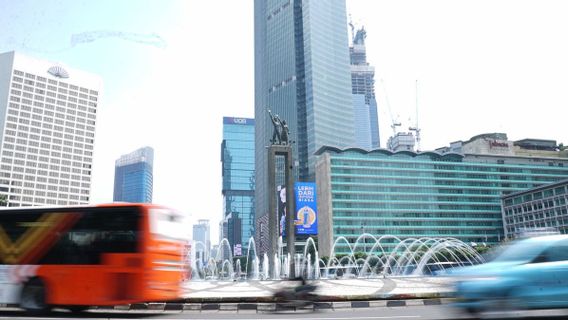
(284, 132)
(276, 134)
(281, 133)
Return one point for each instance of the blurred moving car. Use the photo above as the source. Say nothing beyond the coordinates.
(529, 274)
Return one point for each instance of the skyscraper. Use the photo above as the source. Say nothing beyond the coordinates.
(202, 235)
(237, 157)
(363, 88)
(133, 176)
(47, 131)
(302, 74)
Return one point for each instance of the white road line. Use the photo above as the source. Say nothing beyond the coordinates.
(316, 318)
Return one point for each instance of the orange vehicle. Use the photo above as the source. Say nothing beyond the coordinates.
(83, 256)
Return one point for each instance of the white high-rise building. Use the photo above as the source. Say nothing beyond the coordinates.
(48, 114)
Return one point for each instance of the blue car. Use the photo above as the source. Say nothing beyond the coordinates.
(528, 274)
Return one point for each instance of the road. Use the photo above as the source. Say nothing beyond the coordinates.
(396, 313)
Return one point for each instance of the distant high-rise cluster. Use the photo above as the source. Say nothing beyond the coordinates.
(47, 132)
(133, 176)
(307, 73)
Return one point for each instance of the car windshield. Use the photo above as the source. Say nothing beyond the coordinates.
(522, 251)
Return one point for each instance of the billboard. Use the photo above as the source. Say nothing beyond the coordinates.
(306, 208)
(281, 209)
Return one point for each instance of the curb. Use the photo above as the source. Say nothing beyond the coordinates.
(272, 307)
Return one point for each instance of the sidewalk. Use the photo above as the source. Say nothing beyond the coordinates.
(328, 290)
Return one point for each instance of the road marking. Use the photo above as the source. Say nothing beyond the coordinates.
(315, 318)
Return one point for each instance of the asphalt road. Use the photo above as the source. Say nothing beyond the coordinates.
(410, 312)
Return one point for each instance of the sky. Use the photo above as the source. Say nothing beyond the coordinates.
(173, 69)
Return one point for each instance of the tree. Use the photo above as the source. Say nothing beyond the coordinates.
(3, 200)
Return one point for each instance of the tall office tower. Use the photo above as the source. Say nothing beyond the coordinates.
(202, 234)
(133, 176)
(363, 89)
(302, 74)
(47, 132)
(237, 158)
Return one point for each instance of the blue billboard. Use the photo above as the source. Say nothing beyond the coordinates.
(306, 208)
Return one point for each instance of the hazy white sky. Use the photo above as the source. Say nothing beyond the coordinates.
(482, 66)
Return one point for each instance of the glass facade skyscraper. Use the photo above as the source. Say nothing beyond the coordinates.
(363, 88)
(202, 237)
(302, 74)
(425, 194)
(237, 157)
(133, 176)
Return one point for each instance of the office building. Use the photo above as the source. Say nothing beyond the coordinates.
(363, 89)
(47, 131)
(232, 228)
(426, 194)
(536, 209)
(133, 176)
(202, 239)
(302, 74)
(237, 160)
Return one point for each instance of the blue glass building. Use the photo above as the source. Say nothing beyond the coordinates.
(133, 176)
(237, 158)
(427, 194)
(302, 74)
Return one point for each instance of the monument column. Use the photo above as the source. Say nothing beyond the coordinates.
(281, 147)
(273, 219)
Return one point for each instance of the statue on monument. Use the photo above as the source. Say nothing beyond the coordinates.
(281, 132)
(284, 133)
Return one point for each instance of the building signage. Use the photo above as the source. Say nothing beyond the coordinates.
(242, 121)
(494, 143)
(306, 208)
(237, 250)
(58, 72)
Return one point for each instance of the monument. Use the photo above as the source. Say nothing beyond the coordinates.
(281, 146)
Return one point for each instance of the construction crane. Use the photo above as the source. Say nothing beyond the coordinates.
(352, 26)
(394, 123)
(416, 128)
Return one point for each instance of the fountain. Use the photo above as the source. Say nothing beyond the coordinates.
(367, 257)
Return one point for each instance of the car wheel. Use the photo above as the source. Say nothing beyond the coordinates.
(33, 297)
(472, 311)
